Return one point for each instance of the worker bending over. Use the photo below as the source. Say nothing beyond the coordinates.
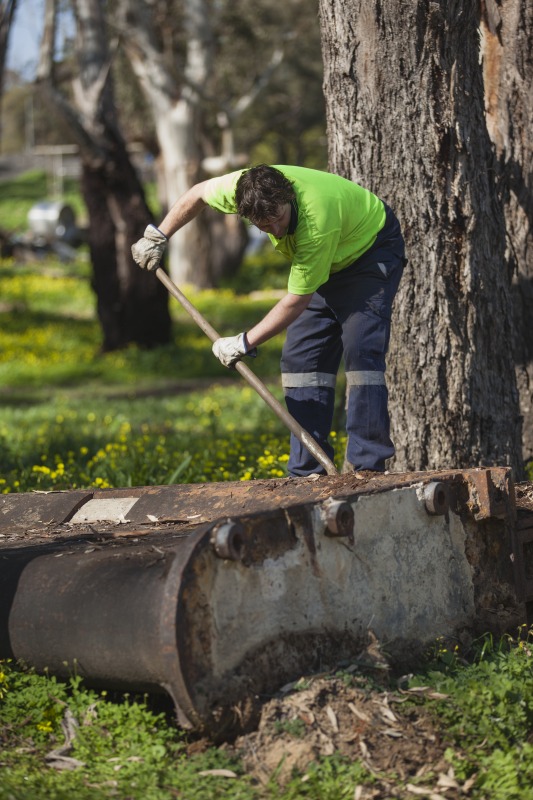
(347, 256)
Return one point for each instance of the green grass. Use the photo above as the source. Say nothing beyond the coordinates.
(18, 195)
(71, 416)
(487, 716)
(127, 747)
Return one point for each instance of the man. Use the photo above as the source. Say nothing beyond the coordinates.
(347, 255)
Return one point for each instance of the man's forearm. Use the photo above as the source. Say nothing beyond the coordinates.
(278, 318)
(186, 208)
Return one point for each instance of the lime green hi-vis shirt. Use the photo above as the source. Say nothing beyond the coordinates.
(338, 221)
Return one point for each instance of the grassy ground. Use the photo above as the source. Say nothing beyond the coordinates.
(70, 417)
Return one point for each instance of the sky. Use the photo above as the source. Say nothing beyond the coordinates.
(25, 37)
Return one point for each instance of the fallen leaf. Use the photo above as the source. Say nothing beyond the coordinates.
(467, 785)
(447, 781)
(387, 714)
(361, 714)
(364, 749)
(62, 762)
(419, 790)
(396, 734)
(219, 773)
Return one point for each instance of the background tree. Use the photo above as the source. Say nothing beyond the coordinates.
(405, 116)
(132, 306)
(205, 69)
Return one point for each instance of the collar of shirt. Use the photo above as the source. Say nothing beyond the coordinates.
(294, 217)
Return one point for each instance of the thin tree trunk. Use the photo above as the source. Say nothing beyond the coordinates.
(405, 115)
(132, 305)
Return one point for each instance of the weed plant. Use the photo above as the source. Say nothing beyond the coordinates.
(127, 747)
(487, 713)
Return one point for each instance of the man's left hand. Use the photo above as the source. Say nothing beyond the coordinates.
(230, 349)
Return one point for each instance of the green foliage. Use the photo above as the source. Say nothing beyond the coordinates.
(265, 269)
(294, 727)
(332, 778)
(119, 746)
(73, 418)
(17, 196)
(488, 714)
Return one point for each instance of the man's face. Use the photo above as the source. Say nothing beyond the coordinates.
(278, 224)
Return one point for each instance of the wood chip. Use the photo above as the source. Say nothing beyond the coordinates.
(332, 718)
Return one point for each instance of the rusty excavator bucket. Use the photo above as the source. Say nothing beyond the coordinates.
(219, 594)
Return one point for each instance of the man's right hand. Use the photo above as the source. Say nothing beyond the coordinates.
(149, 250)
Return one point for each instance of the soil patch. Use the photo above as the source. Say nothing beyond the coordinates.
(394, 738)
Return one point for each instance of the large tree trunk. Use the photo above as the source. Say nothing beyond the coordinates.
(507, 47)
(405, 114)
(132, 305)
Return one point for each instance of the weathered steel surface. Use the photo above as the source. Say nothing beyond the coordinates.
(37, 510)
(218, 593)
(487, 491)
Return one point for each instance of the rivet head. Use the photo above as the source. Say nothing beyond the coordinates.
(228, 540)
(339, 517)
(436, 498)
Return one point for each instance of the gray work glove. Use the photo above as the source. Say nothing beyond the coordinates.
(231, 349)
(149, 250)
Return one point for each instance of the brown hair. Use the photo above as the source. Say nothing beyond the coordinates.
(261, 191)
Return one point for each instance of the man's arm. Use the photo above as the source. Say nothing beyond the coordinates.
(231, 349)
(278, 318)
(184, 209)
(150, 249)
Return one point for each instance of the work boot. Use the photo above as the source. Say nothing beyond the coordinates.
(359, 473)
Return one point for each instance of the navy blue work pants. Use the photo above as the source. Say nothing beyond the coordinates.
(348, 316)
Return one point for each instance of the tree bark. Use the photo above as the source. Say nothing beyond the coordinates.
(132, 305)
(507, 48)
(405, 117)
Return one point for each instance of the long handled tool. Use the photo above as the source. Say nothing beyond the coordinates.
(294, 426)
